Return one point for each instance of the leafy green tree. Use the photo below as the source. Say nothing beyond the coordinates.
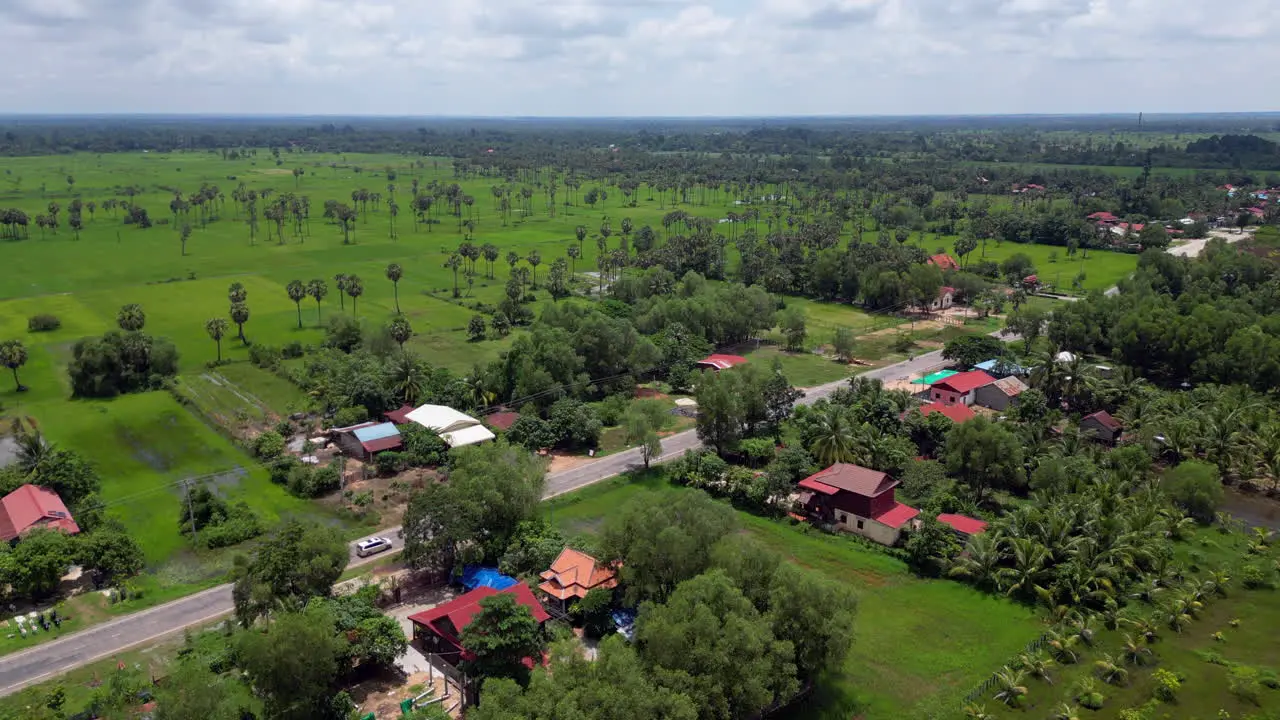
(193, 692)
(720, 421)
(792, 324)
(532, 433)
(813, 613)
(930, 547)
(985, 455)
(110, 552)
(372, 637)
(131, 317)
(13, 355)
(298, 562)
(969, 350)
(65, 472)
(575, 423)
(641, 432)
(964, 245)
(476, 328)
(709, 642)
(1196, 487)
(293, 663)
(39, 562)
(501, 636)
(297, 293)
(558, 279)
(843, 344)
(492, 488)
(662, 542)
(1027, 321)
(217, 329)
(533, 547)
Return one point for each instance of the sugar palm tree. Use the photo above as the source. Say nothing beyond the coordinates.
(400, 330)
(354, 289)
(240, 315)
(574, 253)
(534, 259)
(317, 289)
(236, 293)
(297, 293)
(217, 329)
(13, 355)
(340, 281)
(131, 318)
(394, 273)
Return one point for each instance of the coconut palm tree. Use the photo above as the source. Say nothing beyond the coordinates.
(406, 378)
(1065, 711)
(980, 560)
(1028, 572)
(217, 329)
(1135, 651)
(1037, 666)
(1062, 647)
(1010, 689)
(394, 273)
(131, 318)
(833, 439)
(317, 289)
(977, 712)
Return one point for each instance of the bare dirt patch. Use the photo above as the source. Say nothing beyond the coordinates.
(567, 462)
(274, 171)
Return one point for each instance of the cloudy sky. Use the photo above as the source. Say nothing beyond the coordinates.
(639, 57)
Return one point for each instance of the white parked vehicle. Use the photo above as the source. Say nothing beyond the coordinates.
(372, 546)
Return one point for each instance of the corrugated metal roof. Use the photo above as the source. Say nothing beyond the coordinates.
(931, 379)
(376, 432)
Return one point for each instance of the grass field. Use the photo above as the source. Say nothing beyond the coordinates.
(921, 644)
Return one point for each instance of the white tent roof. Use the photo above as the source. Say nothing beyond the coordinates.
(440, 418)
(686, 402)
(467, 436)
(1065, 357)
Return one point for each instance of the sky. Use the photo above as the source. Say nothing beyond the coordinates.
(639, 57)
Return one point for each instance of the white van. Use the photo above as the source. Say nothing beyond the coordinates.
(372, 546)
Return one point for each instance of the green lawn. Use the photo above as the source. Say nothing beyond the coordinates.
(921, 644)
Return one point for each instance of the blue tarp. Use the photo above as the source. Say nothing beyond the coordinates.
(1005, 367)
(376, 432)
(474, 576)
(625, 622)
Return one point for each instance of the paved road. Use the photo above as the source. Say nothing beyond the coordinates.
(100, 641)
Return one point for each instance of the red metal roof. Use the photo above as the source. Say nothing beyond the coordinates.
(963, 523)
(945, 262)
(32, 506)
(400, 416)
(849, 478)
(461, 609)
(958, 413)
(501, 420)
(896, 516)
(1104, 419)
(1106, 216)
(722, 362)
(965, 382)
(380, 444)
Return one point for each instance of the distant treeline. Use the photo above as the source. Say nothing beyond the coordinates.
(552, 141)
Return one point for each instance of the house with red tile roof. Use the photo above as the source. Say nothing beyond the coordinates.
(957, 413)
(502, 421)
(1101, 426)
(944, 262)
(720, 362)
(574, 574)
(439, 630)
(857, 500)
(31, 507)
(1103, 218)
(959, 388)
(963, 525)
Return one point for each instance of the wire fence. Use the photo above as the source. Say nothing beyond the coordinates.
(985, 686)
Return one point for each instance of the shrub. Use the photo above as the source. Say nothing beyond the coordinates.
(269, 445)
(308, 482)
(43, 323)
(265, 356)
(390, 462)
(292, 350)
(240, 525)
(348, 416)
(343, 333)
(1242, 681)
(1167, 685)
(422, 447)
(1256, 577)
(611, 409)
(758, 451)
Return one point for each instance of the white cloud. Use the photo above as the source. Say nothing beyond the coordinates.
(620, 57)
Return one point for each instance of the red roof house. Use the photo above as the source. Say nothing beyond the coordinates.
(502, 420)
(440, 628)
(857, 500)
(959, 388)
(400, 415)
(574, 574)
(31, 507)
(1101, 426)
(721, 362)
(944, 262)
(1103, 218)
(963, 524)
(957, 413)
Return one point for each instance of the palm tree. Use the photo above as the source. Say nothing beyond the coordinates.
(581, 233)
(131, 318)
(400, 330)
(297, 293)
(574, 252)
(354, 290)
(1061, 647)
(535, 259)
(13, 355)
(977, 712)
(217, 329)
(317, 289)
(1065, 711)
(1011, 690)
(1029, 561)
(1037, 666)
(340, 280)
(1110, 670)
(184, 234)
(454, 263)
(833, 440)
(236, 293)
(1135, 652)
(394, 273)
(240, 316)
(477, 391)
(980, 560)
(406, 378)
